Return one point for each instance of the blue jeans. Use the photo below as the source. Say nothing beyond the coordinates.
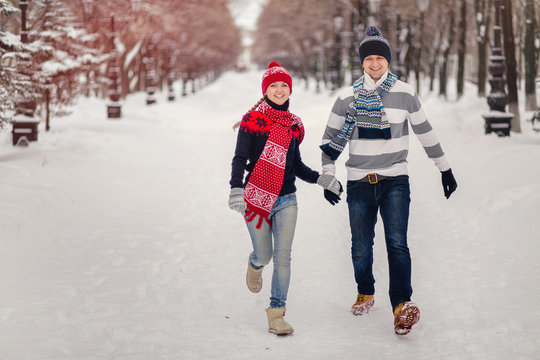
(392, 198)
(283, 218)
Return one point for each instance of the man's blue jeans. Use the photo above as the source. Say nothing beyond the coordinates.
(392, 198)
(283, 217)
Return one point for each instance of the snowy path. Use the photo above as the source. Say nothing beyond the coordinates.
(116, 242)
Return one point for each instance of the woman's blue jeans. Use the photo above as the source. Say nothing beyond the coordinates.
(283, 218)
(392, 198)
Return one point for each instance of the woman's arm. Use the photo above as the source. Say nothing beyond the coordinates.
(241, 156)
(303, 171)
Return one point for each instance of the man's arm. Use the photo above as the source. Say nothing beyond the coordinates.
(426, 135)
(336, 119)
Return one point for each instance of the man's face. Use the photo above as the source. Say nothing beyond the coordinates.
(375, 66)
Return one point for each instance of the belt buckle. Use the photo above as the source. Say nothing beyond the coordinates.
(370, 176)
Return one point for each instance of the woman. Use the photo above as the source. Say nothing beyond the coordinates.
(267, 148)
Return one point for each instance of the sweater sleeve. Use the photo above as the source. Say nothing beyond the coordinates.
(303, 171)
(426, 135)
(241, 156)
(334, 125)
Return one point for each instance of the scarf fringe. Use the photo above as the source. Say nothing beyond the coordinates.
(250, 216)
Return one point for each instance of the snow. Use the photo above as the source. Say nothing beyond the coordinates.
(117, 242)
(9, 39)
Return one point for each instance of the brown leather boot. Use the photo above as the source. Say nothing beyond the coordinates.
(276, 324)
(406, 315)
(363, 304)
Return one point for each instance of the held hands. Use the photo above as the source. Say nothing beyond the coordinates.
(448, 182)
(332, 188)
(236, 200)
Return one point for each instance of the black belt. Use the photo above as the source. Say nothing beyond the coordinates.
(373, 178)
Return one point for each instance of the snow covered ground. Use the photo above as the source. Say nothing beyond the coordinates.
(116, 241)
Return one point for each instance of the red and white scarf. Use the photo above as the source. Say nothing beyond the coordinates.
(266, 179)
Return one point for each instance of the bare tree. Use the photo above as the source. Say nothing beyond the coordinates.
(448, 42)
(462, 47)
(531, 56)
(511, 64)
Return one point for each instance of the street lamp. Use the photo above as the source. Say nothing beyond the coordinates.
(336, 59)
(25, 125)
(373, 10)
(114, 107)
(422, 7)
(497, 120)
(150, 78)
(319, 36)
(171, 74)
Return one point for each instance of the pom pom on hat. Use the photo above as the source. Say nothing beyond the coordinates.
(373, 31)
(374, 43)
(275, 72)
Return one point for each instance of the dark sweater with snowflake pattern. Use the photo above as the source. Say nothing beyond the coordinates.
(252, 136)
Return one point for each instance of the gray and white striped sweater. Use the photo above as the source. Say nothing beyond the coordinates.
(385, 157)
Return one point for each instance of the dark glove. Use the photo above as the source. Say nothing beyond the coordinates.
(332, 197)
(448, 182)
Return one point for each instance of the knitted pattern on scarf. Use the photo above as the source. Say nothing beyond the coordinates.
(266, 179)
(367, 113)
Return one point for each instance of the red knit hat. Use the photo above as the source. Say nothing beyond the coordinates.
(275, 73)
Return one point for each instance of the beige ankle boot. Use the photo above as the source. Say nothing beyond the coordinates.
(276, 324)
(254, 278)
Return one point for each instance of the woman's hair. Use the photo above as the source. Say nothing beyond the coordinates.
(237, 124)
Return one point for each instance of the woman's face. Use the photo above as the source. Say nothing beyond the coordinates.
(278, 92)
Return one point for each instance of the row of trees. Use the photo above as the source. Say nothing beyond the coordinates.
(71, 46)
(429, 39)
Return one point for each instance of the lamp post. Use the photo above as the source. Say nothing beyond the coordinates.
(398, 67)
(171, 75)
(352, 39)
(373, 10)
(114, 107)
(25, 125)
(150, 78)
(422, 7)
(335, 67)
(319, 36)
(497, 120)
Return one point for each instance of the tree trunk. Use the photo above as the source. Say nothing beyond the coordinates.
(511, 65)
(443, 71)
(483, 19)
(530, 56)
(461, 49)
(419, 45)
(435, 58)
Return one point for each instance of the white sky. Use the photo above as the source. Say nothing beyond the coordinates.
(246, 12)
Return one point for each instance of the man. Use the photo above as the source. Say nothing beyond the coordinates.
(372, 116)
